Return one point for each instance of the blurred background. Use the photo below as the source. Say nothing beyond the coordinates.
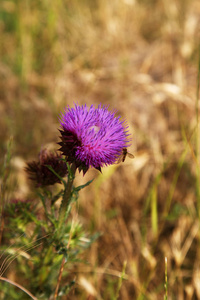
(140, 57)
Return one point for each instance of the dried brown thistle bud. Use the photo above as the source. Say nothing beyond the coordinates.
(39, 171)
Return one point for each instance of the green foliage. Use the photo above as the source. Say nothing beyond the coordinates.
(43, 241)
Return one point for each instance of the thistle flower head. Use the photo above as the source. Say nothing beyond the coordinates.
(92, 137)
(39, 171)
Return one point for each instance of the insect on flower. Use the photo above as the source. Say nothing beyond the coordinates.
(123, 155)
(92, 137)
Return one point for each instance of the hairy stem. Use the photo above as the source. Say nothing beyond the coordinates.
(59, 278)
(63, 208)
(66, 196)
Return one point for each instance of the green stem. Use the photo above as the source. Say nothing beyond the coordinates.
(66, 197)
(154, 211)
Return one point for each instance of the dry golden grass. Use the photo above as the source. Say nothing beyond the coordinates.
(141, 58)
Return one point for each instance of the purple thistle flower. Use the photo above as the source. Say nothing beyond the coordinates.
(92, 137)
